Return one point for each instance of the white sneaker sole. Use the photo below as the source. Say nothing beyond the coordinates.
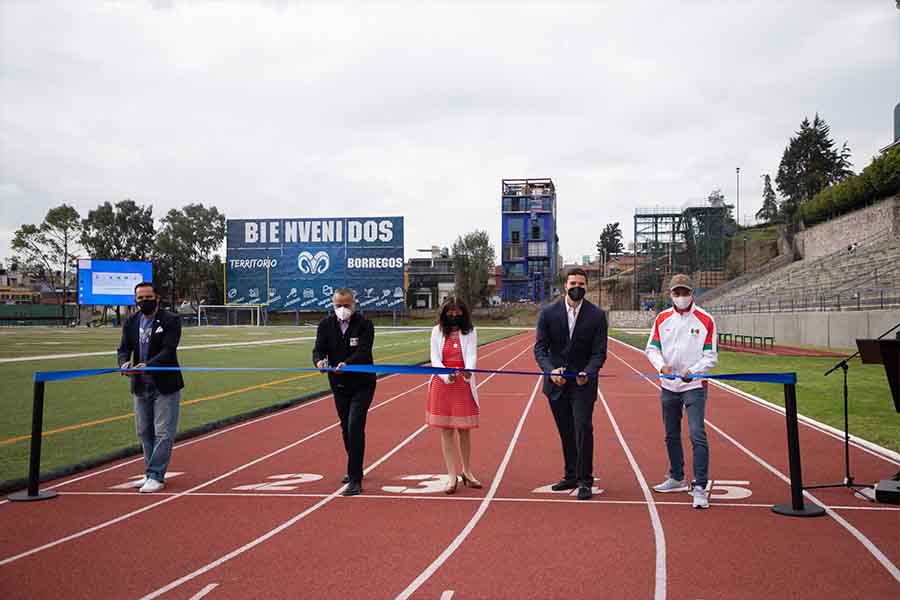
(701, 506)
(670, 490)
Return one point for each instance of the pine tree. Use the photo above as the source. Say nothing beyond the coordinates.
(769, 211)
(809, 164)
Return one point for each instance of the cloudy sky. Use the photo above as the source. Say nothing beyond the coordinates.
(294, 109)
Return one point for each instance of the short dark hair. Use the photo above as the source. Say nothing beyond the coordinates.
(454, 302)
(575, 271)
(144, 284)
(344, 292)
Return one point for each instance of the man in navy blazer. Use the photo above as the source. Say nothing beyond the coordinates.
(150, 338)
(571, 340)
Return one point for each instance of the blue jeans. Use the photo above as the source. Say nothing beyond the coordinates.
(156, 422)
(694, 402)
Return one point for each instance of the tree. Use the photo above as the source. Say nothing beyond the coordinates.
(809, 164)
(185, 260)
(125, 232)
(610, 240)
(46, 252)
(473, 261)
(769, 211)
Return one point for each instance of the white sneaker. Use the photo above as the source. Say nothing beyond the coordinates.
(151, 486)
(139, 483)
(671, 485)
(701, 499)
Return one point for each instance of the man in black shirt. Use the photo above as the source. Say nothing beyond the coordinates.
(346, 338)
(150, 338)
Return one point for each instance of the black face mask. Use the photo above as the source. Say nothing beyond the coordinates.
(456, 321)
(148, 307)
(576, 293)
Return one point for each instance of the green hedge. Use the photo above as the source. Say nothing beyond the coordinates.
(880, 179)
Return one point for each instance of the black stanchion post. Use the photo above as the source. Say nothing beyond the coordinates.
(34, 462)
(797, 508)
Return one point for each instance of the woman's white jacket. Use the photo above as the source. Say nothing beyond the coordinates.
(469, 343)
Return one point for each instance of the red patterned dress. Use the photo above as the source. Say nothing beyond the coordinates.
(451, 405)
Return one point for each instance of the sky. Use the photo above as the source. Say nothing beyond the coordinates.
(419, 109)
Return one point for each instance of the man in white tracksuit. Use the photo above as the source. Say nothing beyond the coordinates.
(683, 343)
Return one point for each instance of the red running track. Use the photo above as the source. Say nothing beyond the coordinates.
(256, 513)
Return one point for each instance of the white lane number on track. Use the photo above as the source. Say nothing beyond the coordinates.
(725, 489)
(425, 484)
(285, 482)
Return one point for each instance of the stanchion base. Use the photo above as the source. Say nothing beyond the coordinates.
(808, 510)
(24, 497)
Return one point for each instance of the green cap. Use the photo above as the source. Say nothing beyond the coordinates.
(681, 280)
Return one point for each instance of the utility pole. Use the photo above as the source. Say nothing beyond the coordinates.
(738, 170)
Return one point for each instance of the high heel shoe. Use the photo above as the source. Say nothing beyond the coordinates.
(470, 481)
(451, 485)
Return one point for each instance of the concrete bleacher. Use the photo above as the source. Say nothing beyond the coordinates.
(832, 282)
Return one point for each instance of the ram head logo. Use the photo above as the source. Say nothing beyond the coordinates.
(313, 265)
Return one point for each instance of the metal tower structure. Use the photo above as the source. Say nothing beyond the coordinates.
(669, 240)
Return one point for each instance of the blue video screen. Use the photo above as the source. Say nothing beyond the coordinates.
(110, 282)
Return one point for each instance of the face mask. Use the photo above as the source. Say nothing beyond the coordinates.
(343, 313)
(576, 293)
(455, 321)
(682, 302)
(148, 307)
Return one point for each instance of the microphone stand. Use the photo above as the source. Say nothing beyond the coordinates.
(848, 478)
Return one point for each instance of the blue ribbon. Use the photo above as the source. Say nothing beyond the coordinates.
(42, 376)
(783, 378)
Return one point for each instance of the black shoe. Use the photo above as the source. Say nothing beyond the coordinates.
(564, 484)
(346, 479)
(584, 493)
(354, 488)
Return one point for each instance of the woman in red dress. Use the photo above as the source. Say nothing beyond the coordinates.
(453, 399)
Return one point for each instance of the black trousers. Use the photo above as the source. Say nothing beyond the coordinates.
(573, 411)
(352, 405)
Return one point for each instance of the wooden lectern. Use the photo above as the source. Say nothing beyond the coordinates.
(884, 352)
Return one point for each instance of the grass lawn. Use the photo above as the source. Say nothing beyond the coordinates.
(872, 414)
(98, 410)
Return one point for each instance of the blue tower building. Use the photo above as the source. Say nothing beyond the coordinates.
(530, 243)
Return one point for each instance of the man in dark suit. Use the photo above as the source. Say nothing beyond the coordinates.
(150, 339)
(346, 338)
(571, 340)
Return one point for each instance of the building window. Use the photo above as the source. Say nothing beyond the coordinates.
(516, 204)
(515, 237)
(512, 252)
(516, 269)
(537, 232)
(537, 249)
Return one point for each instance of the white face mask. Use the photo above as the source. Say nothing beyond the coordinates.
(682, 302)
(343, 313)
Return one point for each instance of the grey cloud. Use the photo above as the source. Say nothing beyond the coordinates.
(294, 109)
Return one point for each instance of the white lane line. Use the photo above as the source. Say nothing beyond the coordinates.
(498, 476)
(659, 535)
(277, 530)
(204, 591)
(859, 443)
(866, 542)
(238, 426)
(310, 510)
(292, 340)
(166, 500)
(447, 595)
(455, 498)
